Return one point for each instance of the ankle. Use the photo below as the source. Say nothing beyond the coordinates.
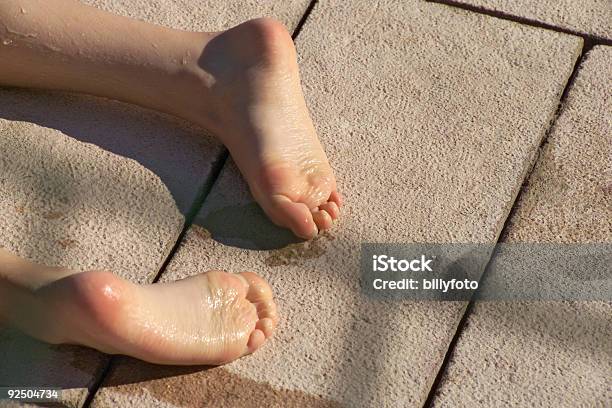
(222, 64)
(261, 43)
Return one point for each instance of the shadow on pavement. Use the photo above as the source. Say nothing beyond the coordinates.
(179, 153)
(249, 228)
(197, 386)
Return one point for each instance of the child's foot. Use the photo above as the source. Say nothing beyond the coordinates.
(212, 318)
(251, 97)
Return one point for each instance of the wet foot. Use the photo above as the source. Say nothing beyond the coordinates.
(255, 105)
(211, 318)
(242, 84)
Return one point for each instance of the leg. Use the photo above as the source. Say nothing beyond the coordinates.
(242, 84)
(211, 318)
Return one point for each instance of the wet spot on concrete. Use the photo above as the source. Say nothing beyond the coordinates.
(53, 215)
(245, 226)
(293, 254)
(201, 232)
(67, 243)
(197, 387)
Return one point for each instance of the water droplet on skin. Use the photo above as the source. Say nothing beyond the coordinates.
(7, 42)
(184, 61)
(23, 11)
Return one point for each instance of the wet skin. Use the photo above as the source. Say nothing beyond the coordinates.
(243, 85)
(210, 318)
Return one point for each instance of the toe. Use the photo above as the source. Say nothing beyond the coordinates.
(256, 340)
(267, 310)
(322, 219)
(266, 326)
(292, 215)
(336, 197)
(331, 208)
(258, 291)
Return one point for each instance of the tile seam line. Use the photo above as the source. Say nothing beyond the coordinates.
(193, 211)
(303, 19)
(431, 396)
(593, 39)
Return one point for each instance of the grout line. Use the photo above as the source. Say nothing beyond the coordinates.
(300, 24)
(587, 46)
(189, 218)
(98, 382)
(205, 190)
(435, 385)
(594, 39)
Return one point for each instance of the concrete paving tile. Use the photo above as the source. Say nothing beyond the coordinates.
(592, 17)
(550, 353)
(431, 117)
(179, 153)
(217, 388)
(28, 362)
(74, 204)
(205, 15)
(116, 205)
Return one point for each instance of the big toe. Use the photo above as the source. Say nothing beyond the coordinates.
(258, 289)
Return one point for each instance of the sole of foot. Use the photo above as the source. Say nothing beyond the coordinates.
(247, 91)
(211, 318)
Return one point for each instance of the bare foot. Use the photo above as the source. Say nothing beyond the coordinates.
(211, 318)
(250, 74)
(243, 84)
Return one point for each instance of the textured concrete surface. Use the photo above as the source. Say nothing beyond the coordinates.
(64, 202)
(73, 204)
(593, 17)
(550, 353)
(179, 153)
(205, 15)
(216, 387)
(431, 117)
